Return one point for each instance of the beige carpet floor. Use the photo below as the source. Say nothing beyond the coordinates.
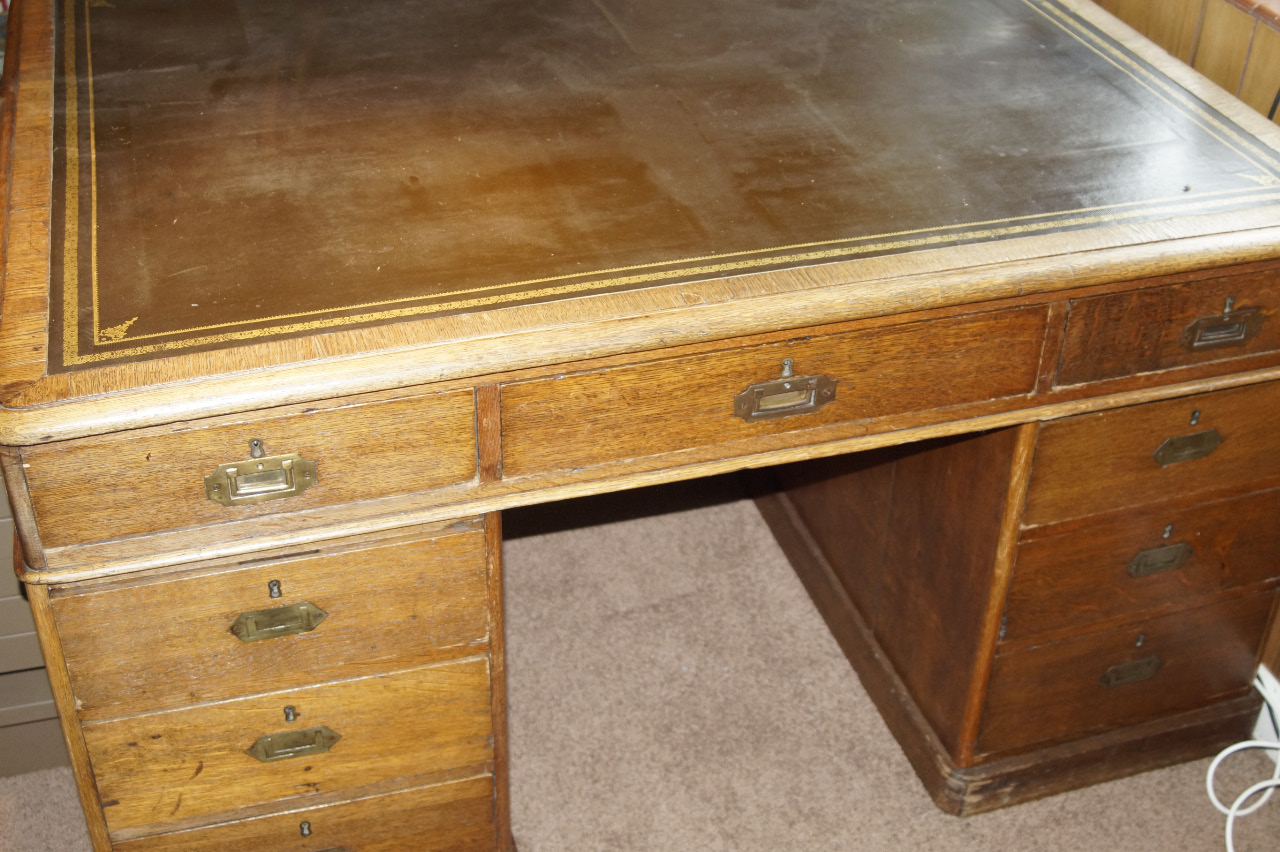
(672, 688)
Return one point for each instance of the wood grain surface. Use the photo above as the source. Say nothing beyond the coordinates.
(1053, 692)
(844, 504)
(1226, 35)
(1142, 331)
(28, 135)
(191, 763)
(1262, 72)
(93, 490)
(453, 817)
(498, 684)
(73, 736)
(586, 419)
(937, 518)
(1078, 577)
(1104, 462)
(1172, 24)
(112, 558)
(998, 782)
(992, 624)
(144, 646)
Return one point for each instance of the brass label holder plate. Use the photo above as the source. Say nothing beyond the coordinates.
(1187, 447)
(290, 744)
(279, 621)
(1134, 671)
(1170, 557)
(256, 480)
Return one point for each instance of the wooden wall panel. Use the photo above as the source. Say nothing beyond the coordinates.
(1223, 48)
(1172, 24)
(1235, 43)
(1262, 73)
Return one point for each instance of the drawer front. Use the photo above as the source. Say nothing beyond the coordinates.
(121, 486)
(1123, 565)
(454, 817)
(147, 646)
(194, 763)
(1106, 680)
(608, 415)
(1161, 328)
(1112, 460)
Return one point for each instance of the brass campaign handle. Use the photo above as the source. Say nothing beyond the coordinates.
(1131, 672)
(260, 477)
(290, 744)
(785, 396)
(1170, 557)
(279, 621)
(1187, 447)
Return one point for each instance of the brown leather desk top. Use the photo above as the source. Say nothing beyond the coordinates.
(239, 185)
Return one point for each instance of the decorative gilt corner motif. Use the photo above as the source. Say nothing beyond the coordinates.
(116, 332)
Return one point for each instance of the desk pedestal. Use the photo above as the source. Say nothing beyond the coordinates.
(1024, 631)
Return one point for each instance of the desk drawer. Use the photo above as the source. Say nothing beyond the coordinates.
(1095, 463)
(591, 418)
(1113, 678)
(143, 646)
(193, 763)
(454, 817)
(1123, 565)
(138, 483)
(1161, 328)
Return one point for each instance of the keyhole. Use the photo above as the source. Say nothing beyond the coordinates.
(305, 828)
(1168, 530)
(273, 588)
(1142, 640)
(1229, 306)
(290, 713)
(1195, 417)
(256, 450)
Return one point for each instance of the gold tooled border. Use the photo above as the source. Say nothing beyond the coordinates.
(1154, 82)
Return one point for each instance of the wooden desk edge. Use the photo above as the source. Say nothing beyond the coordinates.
(855, 294)
(483, 505)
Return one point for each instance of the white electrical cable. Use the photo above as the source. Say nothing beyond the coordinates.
(1267, 684)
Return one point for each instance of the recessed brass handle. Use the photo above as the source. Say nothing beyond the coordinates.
(1230, 328)
(1170, 557)
(279, 621)
(1187, 447)
(786, 396)
(290, 744)
(261, 477)
(1135, 671)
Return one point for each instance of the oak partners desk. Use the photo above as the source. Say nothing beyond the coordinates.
(298, 296)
